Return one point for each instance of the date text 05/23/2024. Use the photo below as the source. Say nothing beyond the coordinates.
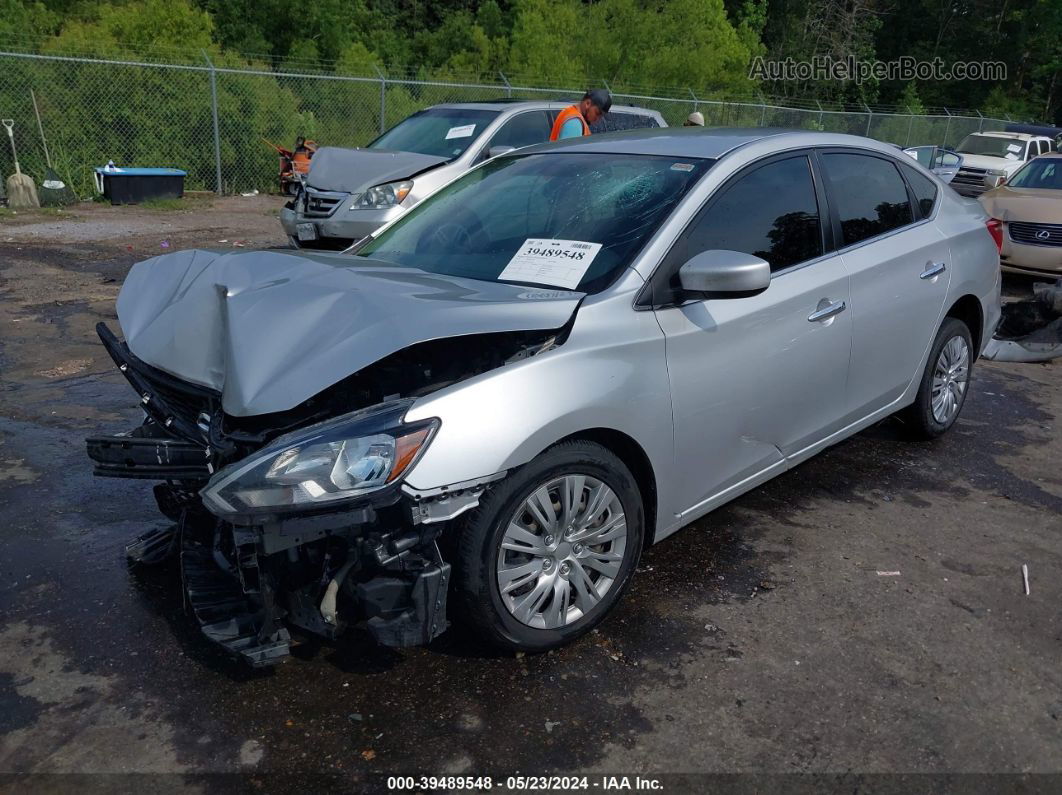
(519, 783)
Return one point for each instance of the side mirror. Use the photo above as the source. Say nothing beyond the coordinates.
(494, 151)
(729, 273)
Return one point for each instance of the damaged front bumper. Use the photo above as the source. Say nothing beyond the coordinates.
(252, 579)
(248, 587)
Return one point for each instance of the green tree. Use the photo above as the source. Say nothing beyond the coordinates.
(544, 44)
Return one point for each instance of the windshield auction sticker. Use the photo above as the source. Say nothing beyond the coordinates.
(560, 263)
(464, 131)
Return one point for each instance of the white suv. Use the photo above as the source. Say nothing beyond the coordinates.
(991, 158)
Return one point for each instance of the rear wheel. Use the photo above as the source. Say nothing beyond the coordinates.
(945, 382)
(550, 549)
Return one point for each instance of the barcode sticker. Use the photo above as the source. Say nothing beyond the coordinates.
(559, 263)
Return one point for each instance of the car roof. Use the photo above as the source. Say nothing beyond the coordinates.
(495, 104)
(703, 142)
(509, 104)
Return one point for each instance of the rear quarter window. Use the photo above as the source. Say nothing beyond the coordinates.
(925, 191)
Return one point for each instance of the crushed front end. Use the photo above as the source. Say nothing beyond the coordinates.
(294, 521)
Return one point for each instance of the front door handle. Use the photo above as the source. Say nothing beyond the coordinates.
(933, 269)
(827, 311)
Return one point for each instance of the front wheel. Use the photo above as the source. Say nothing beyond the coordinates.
(550, 550)
(945, 382)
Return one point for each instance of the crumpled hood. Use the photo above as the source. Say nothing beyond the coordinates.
(270, 329)
(357, 170)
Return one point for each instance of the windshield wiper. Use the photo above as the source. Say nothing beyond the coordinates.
(356, 246)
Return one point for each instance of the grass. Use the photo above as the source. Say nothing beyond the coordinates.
(165, 204)
(187, 203)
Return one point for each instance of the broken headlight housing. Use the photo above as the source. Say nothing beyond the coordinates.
(322, 465)
(380, 197)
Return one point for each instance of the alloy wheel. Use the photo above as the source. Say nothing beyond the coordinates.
(951, 376)
(561, 551)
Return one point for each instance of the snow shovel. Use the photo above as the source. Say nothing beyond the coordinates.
(54, 192)
(21, 191)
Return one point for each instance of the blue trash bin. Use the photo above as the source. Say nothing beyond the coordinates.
(134, 185)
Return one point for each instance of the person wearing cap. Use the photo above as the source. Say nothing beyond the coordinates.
(575, 120)
(695, 119)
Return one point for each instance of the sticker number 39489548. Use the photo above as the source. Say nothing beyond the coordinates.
(561, 263)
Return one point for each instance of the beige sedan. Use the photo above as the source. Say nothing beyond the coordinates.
(1029, 211)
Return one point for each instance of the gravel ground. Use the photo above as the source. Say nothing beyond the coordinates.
(761, 639)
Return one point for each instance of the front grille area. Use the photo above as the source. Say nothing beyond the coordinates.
(321, 203)
(1035, 234)
(969, 180)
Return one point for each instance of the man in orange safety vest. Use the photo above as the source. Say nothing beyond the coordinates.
(575, 120)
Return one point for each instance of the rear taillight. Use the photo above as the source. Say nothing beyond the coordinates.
(995, 228)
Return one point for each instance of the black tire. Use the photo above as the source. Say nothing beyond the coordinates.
(479, 536)
(918, 418)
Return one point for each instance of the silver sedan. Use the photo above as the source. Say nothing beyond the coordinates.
(559, 358)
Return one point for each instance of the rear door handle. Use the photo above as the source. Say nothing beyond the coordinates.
(933, 269)
(827, 311)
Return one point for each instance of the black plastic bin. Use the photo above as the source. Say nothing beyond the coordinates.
(134, 185)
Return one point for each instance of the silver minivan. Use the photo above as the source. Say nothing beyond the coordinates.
(488, 409)
(350, 193)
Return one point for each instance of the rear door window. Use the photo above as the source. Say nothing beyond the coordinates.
(923, 154)
(869, 194)
(948, 160)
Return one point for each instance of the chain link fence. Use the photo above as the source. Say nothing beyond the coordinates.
(215, 121)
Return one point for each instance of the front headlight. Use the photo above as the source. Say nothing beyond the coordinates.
(380, 197)
(336, 460)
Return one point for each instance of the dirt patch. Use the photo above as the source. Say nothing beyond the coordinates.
(60, 273)
(249, 220)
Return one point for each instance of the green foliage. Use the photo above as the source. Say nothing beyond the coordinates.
(902, 130)
(109, 29)
(910, 101)
(146, 115)
(26, 22)
(159, 116)
(705, 45)
(541, 42)
(1004, 104)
